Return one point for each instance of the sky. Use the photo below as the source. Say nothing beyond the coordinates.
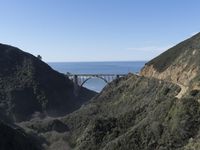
(97, 30)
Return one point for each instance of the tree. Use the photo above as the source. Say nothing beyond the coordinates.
(39, 57)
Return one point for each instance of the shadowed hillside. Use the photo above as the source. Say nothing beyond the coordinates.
(15, 139)
(28, 85)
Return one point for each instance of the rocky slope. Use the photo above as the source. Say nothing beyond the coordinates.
(180, 64)
(28, 85)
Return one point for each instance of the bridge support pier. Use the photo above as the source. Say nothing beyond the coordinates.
(76, 86)
(117, 76)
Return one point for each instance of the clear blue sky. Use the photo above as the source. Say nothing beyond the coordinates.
(97, 30)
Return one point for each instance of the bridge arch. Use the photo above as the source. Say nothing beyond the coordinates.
(80, 79)
(99, 77)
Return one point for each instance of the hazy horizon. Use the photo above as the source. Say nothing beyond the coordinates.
(97, 61)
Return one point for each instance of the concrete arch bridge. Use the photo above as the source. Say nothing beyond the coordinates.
(80, 79)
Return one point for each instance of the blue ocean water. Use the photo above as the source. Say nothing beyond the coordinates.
(97, 68)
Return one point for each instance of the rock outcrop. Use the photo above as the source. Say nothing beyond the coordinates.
(28, 86)
(180, 64)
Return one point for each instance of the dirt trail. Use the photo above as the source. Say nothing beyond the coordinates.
(182, 92)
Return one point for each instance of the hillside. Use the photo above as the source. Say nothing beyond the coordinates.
(131, 113)
(15, 139)
(158, 110)
(143, 112)
(29, 86)
(180, 64)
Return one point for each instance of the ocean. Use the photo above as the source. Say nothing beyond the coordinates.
(97, 68)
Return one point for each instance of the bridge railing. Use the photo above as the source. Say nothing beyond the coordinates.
(96, 75)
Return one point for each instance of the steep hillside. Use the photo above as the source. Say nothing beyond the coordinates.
(131, 113)
(135, 113)
(28, 85)
(180, 64)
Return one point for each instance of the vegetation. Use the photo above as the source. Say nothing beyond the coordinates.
(183, 51)
(133, 112)
(28, 85)
(123, 118)
(127, 119)
(15, 139)
(39, 57)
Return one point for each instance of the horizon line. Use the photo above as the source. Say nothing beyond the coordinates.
(96, 61)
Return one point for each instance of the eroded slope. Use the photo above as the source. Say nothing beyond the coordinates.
(180, 64)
